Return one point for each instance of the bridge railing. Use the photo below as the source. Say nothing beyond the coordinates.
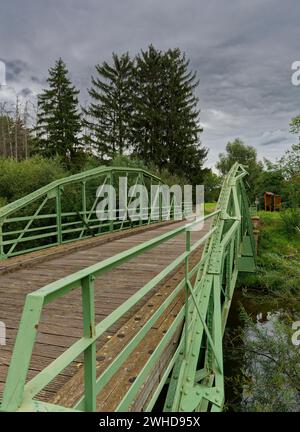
(197, 380)
(17, 395)
(66, 210)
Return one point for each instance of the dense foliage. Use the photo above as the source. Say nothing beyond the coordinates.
(278, 275)
(147, 107)
(269, 364)
(58, 118)
(265, 360)
(109, 116)
(281, 177)
(18, 179)
(237, 151)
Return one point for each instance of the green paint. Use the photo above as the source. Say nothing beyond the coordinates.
(56, 228)
(197, 377)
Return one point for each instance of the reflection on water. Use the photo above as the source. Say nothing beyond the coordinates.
(262, 367)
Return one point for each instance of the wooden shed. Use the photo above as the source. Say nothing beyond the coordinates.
(272, 201)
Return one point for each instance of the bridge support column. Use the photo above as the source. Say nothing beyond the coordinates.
(58, 215)
(246, 262)
(90, 352)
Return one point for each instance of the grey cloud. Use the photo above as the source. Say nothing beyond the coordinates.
(242, 52)
(25, 92)
(14, 68)
(36, 79)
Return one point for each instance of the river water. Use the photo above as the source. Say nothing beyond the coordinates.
(269, 388)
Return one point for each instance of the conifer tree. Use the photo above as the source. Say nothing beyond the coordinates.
(166, 114)
(110, 112)
(149, 118)
(58, 118)
(183, 130)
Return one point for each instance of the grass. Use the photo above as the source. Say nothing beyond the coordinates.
(291, 220)
(274, 237)
(209, 207)
(264, 374)
(278, 261)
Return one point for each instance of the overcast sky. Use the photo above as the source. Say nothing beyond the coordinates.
(242, 51)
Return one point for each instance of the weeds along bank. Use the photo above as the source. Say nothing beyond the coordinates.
(262, 345)
(278, 275)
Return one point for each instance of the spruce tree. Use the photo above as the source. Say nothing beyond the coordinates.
(58, 119)
(166, 114)
(183, 124)
(110, 112)
(149, 120)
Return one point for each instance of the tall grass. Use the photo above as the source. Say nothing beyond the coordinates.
(278, 261)
(291, 220)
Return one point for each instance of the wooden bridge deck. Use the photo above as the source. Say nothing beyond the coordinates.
(62, 320)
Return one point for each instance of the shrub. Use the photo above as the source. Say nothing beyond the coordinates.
(3, 202)
(291, 220)
(269, 377)
(18, 179)
(164, 174)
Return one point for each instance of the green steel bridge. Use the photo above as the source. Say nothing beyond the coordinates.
(111, 315)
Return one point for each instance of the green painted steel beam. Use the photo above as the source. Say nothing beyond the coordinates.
(226, 251)
(196, 368)
(51, 187)
(55, 195)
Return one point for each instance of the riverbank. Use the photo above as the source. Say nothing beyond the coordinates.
(278, 262)
(262, 365)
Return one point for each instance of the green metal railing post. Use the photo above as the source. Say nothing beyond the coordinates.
(188, 250)
(111, 203)
(58, 215)
(20, 362)
(160, 202)
(149, 202)
(141, 182)
(172, 208)
(209, 352)
(2, 255)
(83, 191)
(90, 352)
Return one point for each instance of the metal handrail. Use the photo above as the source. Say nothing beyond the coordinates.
(16, 229)
(15, 394)
(85, 175)
(229, 249)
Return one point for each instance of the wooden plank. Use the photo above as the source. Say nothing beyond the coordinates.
(61, 320)
(112, 393)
